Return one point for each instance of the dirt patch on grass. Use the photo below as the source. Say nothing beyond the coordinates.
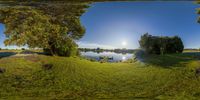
(32, 58)
(29, 57)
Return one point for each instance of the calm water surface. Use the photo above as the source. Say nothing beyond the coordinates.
(116, 56)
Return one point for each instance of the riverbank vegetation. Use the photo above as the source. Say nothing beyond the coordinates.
(100, 50)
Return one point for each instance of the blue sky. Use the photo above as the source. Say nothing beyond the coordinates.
(109, 24)
(3, 37)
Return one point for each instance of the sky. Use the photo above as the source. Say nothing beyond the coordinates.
(3, 37)
(110, 24)
(121, 24)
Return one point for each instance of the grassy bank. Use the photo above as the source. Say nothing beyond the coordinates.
(76, 78)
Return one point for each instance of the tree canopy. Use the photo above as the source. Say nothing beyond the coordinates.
(53, 25)
(161, 44)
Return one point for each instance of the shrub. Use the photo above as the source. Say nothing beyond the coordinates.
(66, 47)
(23, 48)
(161, 45)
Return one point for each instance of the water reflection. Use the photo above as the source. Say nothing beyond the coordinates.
(112, 56)
(123, 58)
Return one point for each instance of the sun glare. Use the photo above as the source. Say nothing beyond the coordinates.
(124, 43)
(123, 58)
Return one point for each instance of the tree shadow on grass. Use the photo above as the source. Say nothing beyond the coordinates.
(170, 60)
(7, 54)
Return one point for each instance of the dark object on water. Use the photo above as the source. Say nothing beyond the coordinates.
(105, 57)
(101, 57)
(47, 66)
(110, 58)
(2, 70)
(197, 72)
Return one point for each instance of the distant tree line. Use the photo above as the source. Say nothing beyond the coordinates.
(99, 50)
(161, 44)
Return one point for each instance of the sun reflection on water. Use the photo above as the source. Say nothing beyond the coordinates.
(123, 58)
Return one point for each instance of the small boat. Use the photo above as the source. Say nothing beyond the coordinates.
(106, 57)
(110, 58)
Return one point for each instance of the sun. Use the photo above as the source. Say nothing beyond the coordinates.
(124, 43)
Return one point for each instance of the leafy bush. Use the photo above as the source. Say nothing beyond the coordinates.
(161, 45)
(23, 48)
(66, 47)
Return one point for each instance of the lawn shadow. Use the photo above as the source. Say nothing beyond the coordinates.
(170, 60)
(7, 54)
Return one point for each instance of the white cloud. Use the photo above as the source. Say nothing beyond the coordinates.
(82, 44)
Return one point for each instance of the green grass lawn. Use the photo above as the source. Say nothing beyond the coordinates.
(77, 78)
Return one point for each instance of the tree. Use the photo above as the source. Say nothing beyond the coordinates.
(144, 42)
(161, 45)
(53, 25)
(178, 44)
(198, 11)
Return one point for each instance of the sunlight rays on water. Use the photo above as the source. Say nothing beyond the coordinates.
(116, 56)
